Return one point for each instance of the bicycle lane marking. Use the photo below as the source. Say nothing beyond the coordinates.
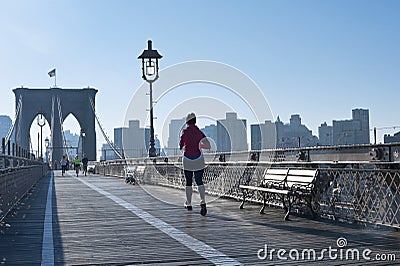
(47, 242)
(201, 248)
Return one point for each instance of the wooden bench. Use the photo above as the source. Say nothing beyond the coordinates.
(133, 174)
(289, 186)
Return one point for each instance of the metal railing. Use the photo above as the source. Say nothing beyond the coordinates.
(366, 191)
(17, 177)
(376, 153)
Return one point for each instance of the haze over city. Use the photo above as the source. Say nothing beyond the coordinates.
(317, 59)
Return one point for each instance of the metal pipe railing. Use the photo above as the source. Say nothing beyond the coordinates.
(17, 177)
(358, 193)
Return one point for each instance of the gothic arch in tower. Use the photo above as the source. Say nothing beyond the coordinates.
(55, 105)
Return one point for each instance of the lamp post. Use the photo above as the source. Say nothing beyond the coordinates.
(41, 122)
(46, 144)
(149, 59)
(83, 136)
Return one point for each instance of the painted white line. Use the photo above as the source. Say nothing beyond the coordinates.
(201, 248)
(47, 244)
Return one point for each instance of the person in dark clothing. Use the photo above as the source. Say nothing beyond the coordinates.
(193, 140)
(85, 162)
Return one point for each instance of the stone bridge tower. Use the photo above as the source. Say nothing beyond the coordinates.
(55, 105)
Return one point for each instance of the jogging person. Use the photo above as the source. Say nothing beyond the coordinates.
(84, 164)
(63, 163)
(193, 140)
(77, 164)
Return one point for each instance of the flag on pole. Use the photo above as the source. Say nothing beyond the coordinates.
(52, 73)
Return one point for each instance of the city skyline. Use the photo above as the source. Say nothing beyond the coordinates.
(230, 134)
(317, 59)
(225, 136)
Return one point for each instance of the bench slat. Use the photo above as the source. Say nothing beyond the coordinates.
(302, 172)
(271, 190)
(274, 177)
(300, 179)
(276, 171)
(140, 169)
(248, 187)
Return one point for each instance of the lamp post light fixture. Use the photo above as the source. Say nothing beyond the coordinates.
(150, 59)
(41, 122)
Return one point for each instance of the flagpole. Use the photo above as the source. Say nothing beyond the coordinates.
(52, 73)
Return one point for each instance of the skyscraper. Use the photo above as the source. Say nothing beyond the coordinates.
(325, 134)
(5, 125)
(132, 139)
(387, 138)
(353, 131)
(211, 133)
(174, 129)
(231, 134)
(263, 136)
(271, 135)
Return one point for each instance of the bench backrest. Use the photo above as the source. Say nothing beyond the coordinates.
(140, 169)
(275, 175)
(301, 177)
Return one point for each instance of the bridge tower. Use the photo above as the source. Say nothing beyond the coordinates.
(55, 105)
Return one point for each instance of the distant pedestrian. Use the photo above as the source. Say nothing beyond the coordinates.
(84, 164)
(77, 164)
(64, 164)
(193, 140)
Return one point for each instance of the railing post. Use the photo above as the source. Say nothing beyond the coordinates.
(13, 149)
(3, 146)
(8, 147)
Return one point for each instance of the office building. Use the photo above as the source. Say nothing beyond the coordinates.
(294, 134)
(231, 134)
(391, 139)
(5, 125)
(325, 134)
(263, 136)
(271, 135)
(131, 141)
(107, 153)
(174, 129)
(353, 131)
(211, 133)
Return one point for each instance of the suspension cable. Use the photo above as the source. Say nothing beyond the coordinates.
(62, 127)
(17, 113)
(121, 156)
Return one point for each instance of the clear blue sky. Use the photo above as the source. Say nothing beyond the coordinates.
(319, 59)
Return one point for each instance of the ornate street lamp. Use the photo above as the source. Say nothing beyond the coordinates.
(47, 145)
(83, 140)
(149, 59)
(41, 122)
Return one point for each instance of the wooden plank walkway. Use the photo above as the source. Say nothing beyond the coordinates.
(99, 220)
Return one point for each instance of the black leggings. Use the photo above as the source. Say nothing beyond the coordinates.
(198, 177)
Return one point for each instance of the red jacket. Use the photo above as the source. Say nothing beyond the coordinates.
(190, 140)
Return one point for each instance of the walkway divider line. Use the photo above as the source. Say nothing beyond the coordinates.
(47, 242)
(201, 248)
